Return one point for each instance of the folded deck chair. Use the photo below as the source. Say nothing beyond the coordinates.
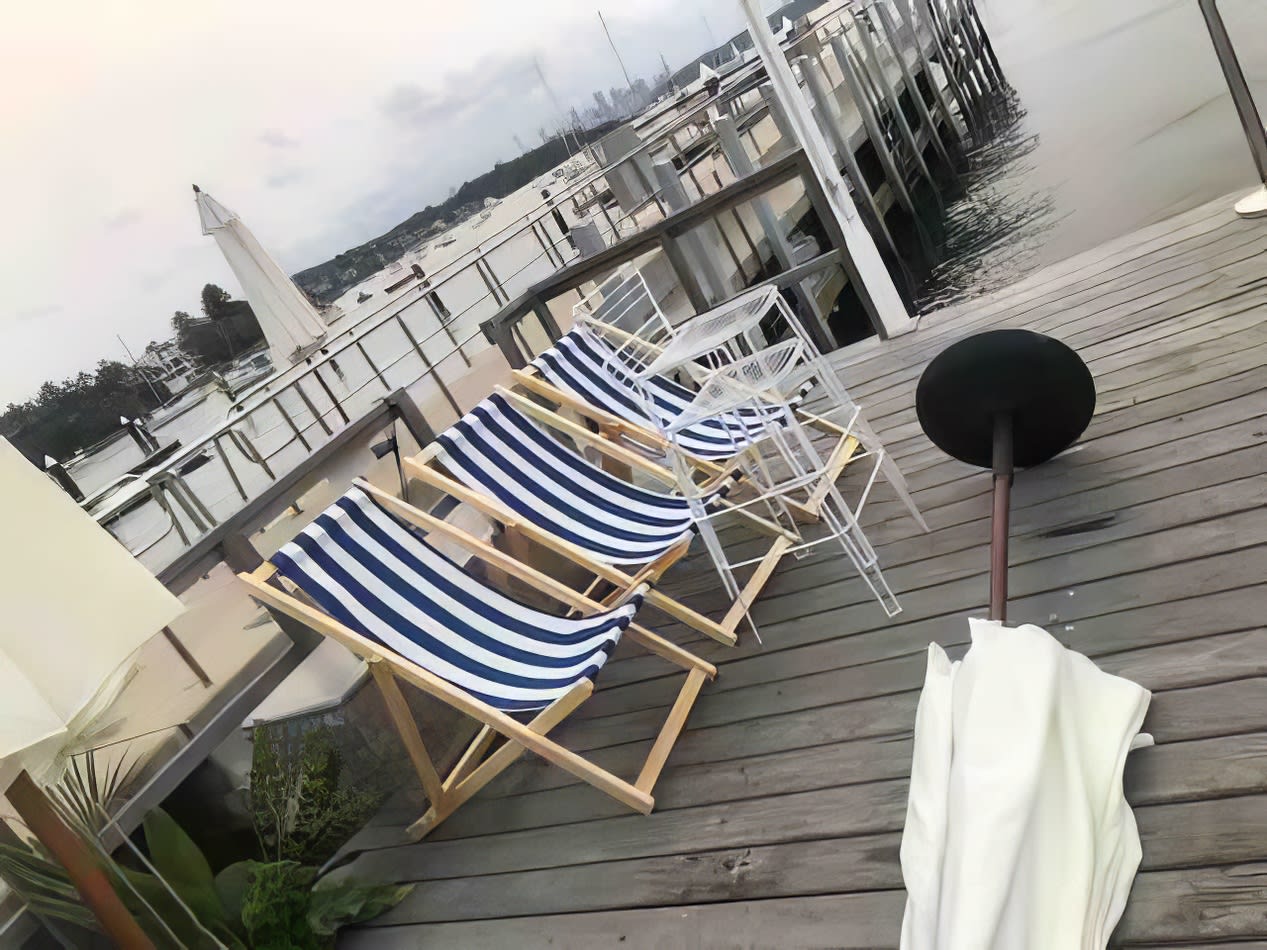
(586, 374)
(383, 591)
(586, 366)
(501, 459)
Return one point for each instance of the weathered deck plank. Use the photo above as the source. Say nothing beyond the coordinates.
(779, 813)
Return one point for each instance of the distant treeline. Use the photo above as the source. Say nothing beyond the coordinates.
(62, 418)
(327, 281)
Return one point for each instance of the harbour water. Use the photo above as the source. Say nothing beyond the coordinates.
(1126, 121)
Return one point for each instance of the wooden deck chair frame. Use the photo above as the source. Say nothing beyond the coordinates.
(616, 429)
(426, 467)
(475, 769)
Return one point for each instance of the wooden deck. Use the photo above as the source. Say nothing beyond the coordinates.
(779, 816)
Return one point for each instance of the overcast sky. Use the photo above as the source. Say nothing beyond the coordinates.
(322, 125)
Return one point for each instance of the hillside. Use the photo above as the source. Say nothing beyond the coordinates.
(329, 280)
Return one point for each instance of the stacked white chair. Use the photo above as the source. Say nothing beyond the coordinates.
(754, 390)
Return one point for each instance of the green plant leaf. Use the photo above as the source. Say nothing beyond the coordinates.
(275, 907)
(43, 885)
(337, 903)
(184, 867)
(147, 897)
(231, 885)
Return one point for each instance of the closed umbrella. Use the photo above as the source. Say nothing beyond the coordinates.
(1018, 833)
(290, 323)
(76, 606)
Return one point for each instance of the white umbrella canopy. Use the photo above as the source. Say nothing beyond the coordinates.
(76, 606)
(1018, 833)
(290, 323)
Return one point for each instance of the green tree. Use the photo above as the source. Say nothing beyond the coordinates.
(215, 302)
(63, 418)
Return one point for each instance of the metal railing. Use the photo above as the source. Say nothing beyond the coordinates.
(665, 236)
(416, 342)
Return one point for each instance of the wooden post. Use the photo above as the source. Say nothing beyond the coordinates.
(685, 275)
(912, 87)
(939, 94)
(59, 474)
(741, 164)
(35, 810)
(895, 107)
(183, 652)
(869, 209)
(694, 244)
(874, 284)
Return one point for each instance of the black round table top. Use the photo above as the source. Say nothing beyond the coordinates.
(1039, 382)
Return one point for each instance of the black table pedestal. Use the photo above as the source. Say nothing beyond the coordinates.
(1000, 399)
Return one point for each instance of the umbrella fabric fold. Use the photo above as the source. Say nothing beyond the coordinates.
(76, 605)
(1018, 833)
(290, 323)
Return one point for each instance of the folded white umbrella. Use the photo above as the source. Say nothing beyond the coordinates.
(290, 323)
(76, 606)
(1018, 833)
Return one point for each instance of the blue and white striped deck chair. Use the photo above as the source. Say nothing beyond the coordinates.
(586, 367)
(375, 584)
(499, 460)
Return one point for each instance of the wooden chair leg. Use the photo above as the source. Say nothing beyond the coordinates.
(471, 757)
(459, 789)
(402, 718)
(692, 618)
(748, 596)
(670, 731)
(841, 456)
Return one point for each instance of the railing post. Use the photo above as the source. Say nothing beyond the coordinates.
(313, 409)
(370, 363)
(694, 245)
(338, 406)
(685, 274)
(431, 369)
(741, 164)
(407, 411)
(548, 323)
(1253, 205)
(224, 460)
(498, 331)
(291, 422)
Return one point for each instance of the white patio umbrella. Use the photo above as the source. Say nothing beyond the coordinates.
(1018, 832)
(290, 323)
(76, 606)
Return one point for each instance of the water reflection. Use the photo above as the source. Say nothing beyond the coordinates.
(993, 231)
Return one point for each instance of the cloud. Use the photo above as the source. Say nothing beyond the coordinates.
(121, 219)
(483, 84)
(284, 178)
(276, 138)
(34, 313)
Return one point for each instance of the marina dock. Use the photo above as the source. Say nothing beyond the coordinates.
(778, 818)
